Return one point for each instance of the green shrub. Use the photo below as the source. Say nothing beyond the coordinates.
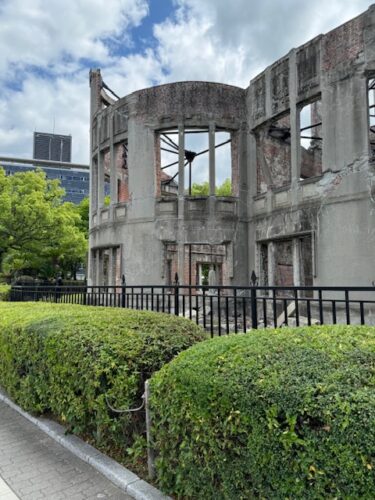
(4, 292)
(67, 359)
(278, 414)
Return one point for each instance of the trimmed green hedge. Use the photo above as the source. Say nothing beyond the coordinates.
(65, 359)
(281, 414)
(4, 292)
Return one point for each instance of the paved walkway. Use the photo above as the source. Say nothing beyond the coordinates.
(33, 466)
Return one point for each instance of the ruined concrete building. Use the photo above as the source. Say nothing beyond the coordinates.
(298, 146)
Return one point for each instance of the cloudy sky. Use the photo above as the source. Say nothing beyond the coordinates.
(48, 47)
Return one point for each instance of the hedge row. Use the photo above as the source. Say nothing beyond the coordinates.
(4, 292)
(66, 360)
(277, 414)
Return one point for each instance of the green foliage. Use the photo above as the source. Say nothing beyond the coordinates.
(200, 189)
(67, 359)
(38, 232)
(277, 414)
(225, 189)
(82, 220)
(4, 292)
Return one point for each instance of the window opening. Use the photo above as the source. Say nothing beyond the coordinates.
(223, 157)
(274, 155)
(122, 172)
(196, 162)
(371, 101)
(264, 264)
(311, 140)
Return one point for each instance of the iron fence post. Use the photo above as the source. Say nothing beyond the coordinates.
(176, 301)
(123, 291)
(254, 310)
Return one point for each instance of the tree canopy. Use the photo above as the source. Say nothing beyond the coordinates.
(203, 189)
(39, 233)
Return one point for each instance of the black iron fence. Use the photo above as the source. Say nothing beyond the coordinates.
(223, 309)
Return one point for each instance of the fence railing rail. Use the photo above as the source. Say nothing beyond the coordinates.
(223, 309)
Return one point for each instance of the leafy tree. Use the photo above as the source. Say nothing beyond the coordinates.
(225, 189)
(39, 234)
(203, 189)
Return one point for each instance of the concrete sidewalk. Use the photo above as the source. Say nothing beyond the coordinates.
(34, 466)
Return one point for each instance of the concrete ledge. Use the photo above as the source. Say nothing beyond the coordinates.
(123, 478)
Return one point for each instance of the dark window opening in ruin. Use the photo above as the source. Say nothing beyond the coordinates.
(169, 277)
(284, 275)
(208, 274)
(371, 103)
(122, 172)
(107, 261)
(107, 176)
(263, 251)
(204, 263)
(105, 257)
(196, 161)
(274, 155)
(306, 263)
(171, 265)
(168, 156)
(311, 140)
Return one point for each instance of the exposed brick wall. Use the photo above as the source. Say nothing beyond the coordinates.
(343, 44)
(284, 263)
(122, 174)
(277, 155)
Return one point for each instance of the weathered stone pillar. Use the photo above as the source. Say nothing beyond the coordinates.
(296, 262)
(295, 157)
(113, 180)
(98, 264)
(111, 261)
(181, 203)
(100, 182)
(181, 160)
(211, 156)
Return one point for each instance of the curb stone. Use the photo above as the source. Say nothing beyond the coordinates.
(123, 478)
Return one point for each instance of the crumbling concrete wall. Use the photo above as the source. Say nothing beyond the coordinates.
(301, 213)
(145, 221)
(329, 200)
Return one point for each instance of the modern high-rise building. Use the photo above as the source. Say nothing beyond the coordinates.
(55, 147)
(74, 181)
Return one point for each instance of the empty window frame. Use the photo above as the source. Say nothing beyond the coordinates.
(122, 172)
(371, 104)
(263, 257)
(169, 151)
(274, 154)
(107, 176)
(311, 140)
(223, 163)
(196, 161)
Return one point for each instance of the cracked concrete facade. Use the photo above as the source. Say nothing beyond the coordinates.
(302, 207)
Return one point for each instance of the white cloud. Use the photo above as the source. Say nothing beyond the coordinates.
(41, 103)
(42, 32)
(232, 42)
(204, 40)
